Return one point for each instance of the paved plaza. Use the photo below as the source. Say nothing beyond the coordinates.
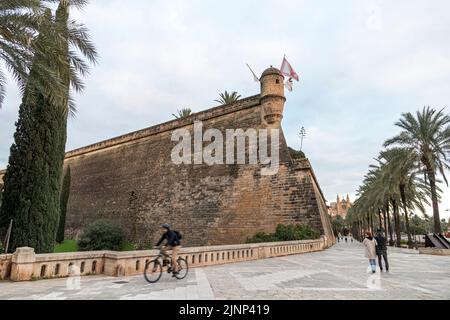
(337, 273)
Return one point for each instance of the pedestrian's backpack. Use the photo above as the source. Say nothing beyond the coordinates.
(179, 235)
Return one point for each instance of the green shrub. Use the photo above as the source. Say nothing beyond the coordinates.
(286, 233)
(296, 154)
(127, 247)
(101, 235)
(1, 248)
(261, 237)
(295, 232)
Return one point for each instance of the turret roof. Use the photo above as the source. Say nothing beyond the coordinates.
(271, 70)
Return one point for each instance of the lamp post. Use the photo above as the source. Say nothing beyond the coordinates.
(302, 135)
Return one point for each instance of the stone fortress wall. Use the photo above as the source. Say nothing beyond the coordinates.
(132, 180)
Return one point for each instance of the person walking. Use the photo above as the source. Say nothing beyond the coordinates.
(382, 250)
(370, 244)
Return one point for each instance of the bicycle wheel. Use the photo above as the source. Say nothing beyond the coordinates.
(153, 271)
(183, 269)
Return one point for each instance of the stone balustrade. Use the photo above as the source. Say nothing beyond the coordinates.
(25, 265)
(5, 265)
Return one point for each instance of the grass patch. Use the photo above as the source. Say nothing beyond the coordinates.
(72, 246)
(127, 247)
(66, 246)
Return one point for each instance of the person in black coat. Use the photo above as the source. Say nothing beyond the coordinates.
(381, 249)
(172, 243)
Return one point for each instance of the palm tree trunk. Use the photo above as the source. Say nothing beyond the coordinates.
(371, 222)
(385, 223)
(408, 230)
(368, 221)
(397, 223)
(361, 222)
(434, 199)
(361, 230)
(380, 226)
(389, 222)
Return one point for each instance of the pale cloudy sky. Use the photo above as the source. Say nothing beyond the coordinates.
(362, 63)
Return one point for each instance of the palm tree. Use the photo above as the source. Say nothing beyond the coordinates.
(183, 113)
(21, 23)
(377, 193)
(75, 37)
(18, 23)
(371, 197)
(227, 98)
(401, 165)
(428, 134)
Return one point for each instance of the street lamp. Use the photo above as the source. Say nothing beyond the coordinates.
(302, 135)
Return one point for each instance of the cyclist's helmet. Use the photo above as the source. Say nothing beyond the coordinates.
(165, 226)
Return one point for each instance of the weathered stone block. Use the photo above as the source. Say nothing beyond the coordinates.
(22, 264)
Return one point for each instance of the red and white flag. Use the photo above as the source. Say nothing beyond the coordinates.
(287, 70)
(289, 84)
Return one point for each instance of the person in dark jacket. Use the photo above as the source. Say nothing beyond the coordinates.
(382, 250)
(172, 243)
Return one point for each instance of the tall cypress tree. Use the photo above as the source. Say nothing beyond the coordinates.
(65, 191)
(33, 176)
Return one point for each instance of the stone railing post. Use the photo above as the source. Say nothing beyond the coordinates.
(22, 264)
(324, 239)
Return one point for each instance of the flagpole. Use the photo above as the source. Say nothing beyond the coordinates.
(254, 75)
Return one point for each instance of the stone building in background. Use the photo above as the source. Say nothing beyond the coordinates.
(340, 207)
(131, 179)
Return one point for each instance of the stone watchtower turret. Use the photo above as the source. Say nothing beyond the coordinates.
(272, 96)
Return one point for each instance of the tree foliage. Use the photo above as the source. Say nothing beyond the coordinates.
(228, 98)
(286, 233)
(64, 198)
(101, 235)
(403, 180)
(296, 154)
(427, 134)
(25, 33)
(182, 113)
(33, 176)
(338, 225)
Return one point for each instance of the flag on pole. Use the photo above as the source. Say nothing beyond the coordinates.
(254, 75)
(287, 70)
(288, 84)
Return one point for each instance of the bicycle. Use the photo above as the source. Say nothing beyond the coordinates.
(154, 268)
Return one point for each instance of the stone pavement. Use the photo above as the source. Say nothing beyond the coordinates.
(337, 273)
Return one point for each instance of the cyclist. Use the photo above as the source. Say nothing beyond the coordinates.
(172, 243)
